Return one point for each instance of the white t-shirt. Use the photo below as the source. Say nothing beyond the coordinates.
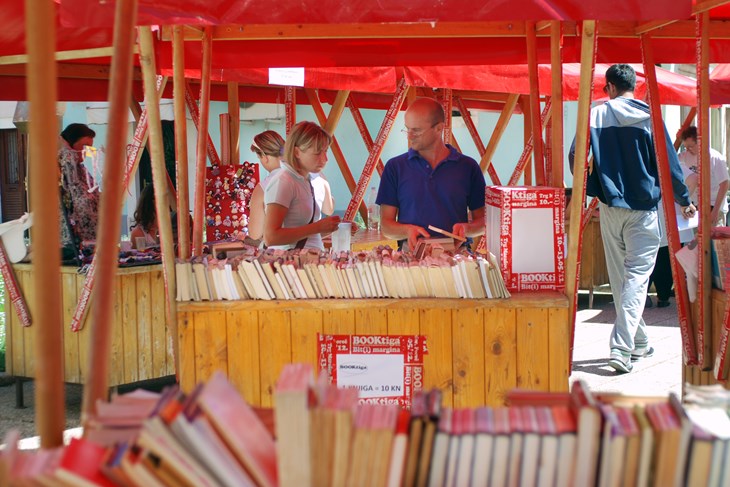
(320, 188)
(265, 182)
(718, 173)
(292, 191)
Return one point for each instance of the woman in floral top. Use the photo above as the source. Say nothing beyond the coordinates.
(79, 205)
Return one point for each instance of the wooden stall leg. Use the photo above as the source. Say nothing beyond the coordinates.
(590, 297)
(19, 402)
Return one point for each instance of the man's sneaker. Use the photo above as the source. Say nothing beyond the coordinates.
(620, 364)
(646, 353)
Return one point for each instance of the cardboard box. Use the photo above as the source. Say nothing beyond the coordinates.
(526, 231)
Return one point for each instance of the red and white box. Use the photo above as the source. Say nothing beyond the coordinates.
(526, 232)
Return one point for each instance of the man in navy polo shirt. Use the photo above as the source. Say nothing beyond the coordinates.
(431, 184)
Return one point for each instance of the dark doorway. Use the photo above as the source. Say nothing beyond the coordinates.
(13, 163)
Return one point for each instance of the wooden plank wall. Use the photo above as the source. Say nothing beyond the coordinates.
(477, 349)
(141, 345)
(695, 375)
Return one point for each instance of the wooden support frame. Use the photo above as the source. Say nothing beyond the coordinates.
(486, 154)
(335, 147)
(535, 123)
(234, 127)
(106, 256)
(687, 122)
(202, 147)
(556, 90)
(181, 143)
(580, 173)
(159, 181)
(680, 285)
(523, 163)
(703, 321)
(41, 28)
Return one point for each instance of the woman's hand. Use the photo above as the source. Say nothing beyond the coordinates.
(328, 225)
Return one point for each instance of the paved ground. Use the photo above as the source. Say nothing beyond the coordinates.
(654, 376)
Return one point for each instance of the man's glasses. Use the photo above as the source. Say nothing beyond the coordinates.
(416, 132)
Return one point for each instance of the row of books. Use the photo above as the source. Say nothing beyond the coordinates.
(311, 274)
(320, 435)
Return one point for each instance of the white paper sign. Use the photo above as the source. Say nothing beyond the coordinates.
(286, 76)
(374, 375)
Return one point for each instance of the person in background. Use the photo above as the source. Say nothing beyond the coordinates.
(79, 197)
(625, 179)
(323, 193)
(144, 230)
(719, 180)
(292, 218)
(431, 184)
(269, 148)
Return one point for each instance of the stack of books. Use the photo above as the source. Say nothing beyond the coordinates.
(325, 436)
(311, 274)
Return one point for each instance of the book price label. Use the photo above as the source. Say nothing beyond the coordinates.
(385, 369)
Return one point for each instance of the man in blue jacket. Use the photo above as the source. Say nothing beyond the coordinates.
(625, 179)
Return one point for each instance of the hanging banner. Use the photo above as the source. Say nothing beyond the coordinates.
(385, 369)
(290, 107)
(13, 289)
(364, 132)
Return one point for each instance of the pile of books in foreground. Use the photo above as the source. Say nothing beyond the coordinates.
(313, 274)
(324, 436)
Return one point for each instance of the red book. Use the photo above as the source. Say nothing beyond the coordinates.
(82, 461)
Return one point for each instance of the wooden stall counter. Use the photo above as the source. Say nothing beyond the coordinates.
(141, 345)
(593, 270)
(695, 375)
(365, 240)
(477, 349)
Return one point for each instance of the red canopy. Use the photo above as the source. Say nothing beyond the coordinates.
(720, 85)
(222, 12)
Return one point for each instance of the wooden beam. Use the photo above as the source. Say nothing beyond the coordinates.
(705, 5)
(504, 118)
(70, 70)
(45, 232)
(181, 143)
(485, 161)
(703, 323)
(482, 96)
(201, 152)
(234, 128)
(610, 29)
(64, 55)
(680, 284)
(577, 202)
(364, 132)
(650, 26)
(537, 152)
(160, 184)
(556, 133)
(338, 106)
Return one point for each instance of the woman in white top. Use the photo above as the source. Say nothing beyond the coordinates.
(293, 218)
(268, 147)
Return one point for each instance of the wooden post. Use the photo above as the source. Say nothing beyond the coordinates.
(107, 254)
(704, 288)
(199, 209)
(333, 119)
(225, 131)
(40, 28)
(159, 175)
(335, 147)
(234, 114)
(556, 61)
(502, 122)
(181, 143)
(680, 285)
(535, 104)
(522, 164)
(575, 237)
(526, 135)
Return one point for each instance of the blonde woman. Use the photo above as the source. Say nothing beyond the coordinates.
(293, 218)
(269, 148)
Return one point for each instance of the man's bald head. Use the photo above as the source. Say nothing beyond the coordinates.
(427, 109)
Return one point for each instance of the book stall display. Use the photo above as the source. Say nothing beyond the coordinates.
(317, 434)
(240, 321)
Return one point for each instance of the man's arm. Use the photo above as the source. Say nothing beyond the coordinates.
(399, 231)
(719, 199)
